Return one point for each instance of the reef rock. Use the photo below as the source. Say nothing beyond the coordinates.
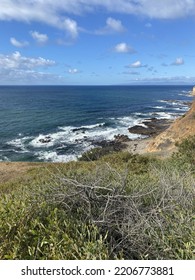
(121, 138)
(151, 127)
(45, 140)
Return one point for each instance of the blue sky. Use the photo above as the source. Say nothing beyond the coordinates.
(97, 42)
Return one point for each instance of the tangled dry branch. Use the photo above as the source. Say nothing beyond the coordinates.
(130, 216)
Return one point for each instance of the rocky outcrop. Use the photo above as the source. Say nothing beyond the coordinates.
(151, 127)
(121, 138)
(177, 131)
(45, 140)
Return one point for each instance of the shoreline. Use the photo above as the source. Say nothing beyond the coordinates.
(154, 128)
(148, 131)
(10, 170)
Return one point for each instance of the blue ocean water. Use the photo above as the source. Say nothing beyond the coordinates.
(59, 123)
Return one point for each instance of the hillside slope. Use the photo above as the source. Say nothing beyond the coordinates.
(179, 130)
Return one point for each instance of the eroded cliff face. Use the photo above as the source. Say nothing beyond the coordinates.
(179, 130)
(193, 91)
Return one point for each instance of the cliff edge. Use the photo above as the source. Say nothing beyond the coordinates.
(180, 129)
(193, 91)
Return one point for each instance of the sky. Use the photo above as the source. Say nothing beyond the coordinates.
(97, 42)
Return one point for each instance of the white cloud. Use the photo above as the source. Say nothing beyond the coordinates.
(71, 27)
(18, 44)
(123, 48)
(38, 37)
(136, 64)
(166, 80)
(18, 69)
(17, 61)
(31, 77)
(73, 71)
(47, 11)
(179, 61)
(51, 12)
(112, 26)
(54, 13)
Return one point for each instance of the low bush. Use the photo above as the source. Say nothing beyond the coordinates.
(120, 206)
(186, 150)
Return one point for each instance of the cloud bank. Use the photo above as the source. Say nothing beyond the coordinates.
(54, 13)
(19, 69)
(17, 61)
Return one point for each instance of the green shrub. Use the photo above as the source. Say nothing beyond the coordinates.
(186, 152)
(120, 206)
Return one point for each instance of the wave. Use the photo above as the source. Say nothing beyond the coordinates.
(159, 107)
(4, 158)
(20, 144)
(54, 157)
(69, 142)
(187, 93)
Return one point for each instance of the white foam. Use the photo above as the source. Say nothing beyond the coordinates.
(159, 107)
(4, 159)
(163, 101)
(92, 126)
(74, 141)
(82, 138)
(128, 121)
(172, 103)
(20, 143)
(186, 93)
(183, 108)
(54, 157)
(163, 115)
(37, 141)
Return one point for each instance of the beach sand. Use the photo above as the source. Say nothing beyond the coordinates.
(139, 146)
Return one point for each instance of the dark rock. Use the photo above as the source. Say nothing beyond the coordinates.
(79, 130)
(138, 129)
(121, 138)
(47, 139)
(153, 127)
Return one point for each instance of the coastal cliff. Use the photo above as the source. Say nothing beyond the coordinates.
(193, 91)
(179, 130)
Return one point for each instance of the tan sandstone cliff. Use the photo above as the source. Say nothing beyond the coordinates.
(180, 129)
(193, 91)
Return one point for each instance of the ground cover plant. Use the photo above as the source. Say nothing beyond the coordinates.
(121, 206)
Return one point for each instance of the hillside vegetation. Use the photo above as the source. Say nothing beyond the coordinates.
(114, 206)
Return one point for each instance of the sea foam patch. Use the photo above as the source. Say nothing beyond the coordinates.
(54, 157)
(20, 144)
(68, 143)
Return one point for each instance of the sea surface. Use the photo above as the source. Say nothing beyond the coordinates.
(59, 123)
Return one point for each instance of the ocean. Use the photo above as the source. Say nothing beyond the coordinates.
(59, 123)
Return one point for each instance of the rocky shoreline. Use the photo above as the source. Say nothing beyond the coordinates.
(147, 133)
(149, 129)
(152, 127)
